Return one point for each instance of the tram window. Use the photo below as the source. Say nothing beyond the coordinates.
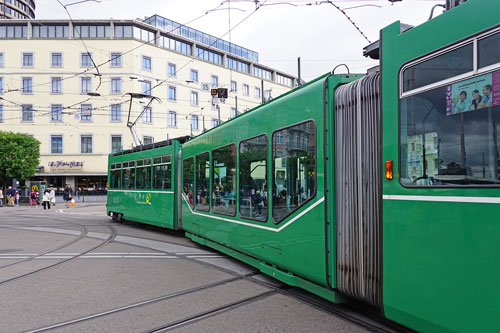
(188, 179)
(203, 182)
(253, 176)
(444, 66)
(224, 180)
(162, 172)
(488, 50)
(449, 135)
(143, 174)
(294, 168)
(128, 174)
(115, 175)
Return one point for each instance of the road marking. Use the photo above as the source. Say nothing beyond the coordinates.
(105, 255)
(438, 198)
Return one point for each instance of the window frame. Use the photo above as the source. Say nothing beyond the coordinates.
(92, 145)
(474, 38)
(115, 79)
(111, 59)
(111, 136)
(174, 113)
(119, 120)
(51, 59)
(30, 91)
(55, 79)
(61, 113)
(267, 178)
(153, 165)
(90, 59)
(32, 59)
(147, 58)
(195, 182)
(32, 111)
(236, 171)
(315, 170)
(62, 143)
(142, 166)
(171, 65)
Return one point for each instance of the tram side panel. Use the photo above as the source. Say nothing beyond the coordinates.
(440, 212)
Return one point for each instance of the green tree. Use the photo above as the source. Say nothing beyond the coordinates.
(19, 156)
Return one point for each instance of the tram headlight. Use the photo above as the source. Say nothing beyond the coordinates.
(388, 169)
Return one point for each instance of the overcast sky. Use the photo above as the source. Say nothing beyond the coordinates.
(280, 31)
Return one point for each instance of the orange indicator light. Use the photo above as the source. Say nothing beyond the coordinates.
(388, 169)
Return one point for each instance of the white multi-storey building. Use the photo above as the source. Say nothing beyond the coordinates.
(69, 84)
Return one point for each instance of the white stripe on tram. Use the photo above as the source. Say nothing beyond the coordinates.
(156, 191)
(438, 198)
(253, 225)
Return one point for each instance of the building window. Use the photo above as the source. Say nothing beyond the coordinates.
(147, 140)
(246, 90)
(172, 93)
(86, 112)
(28, 59)
(27, 113)
(257, 92)
(116, 112)
(56, 86)
(86, 59)
(1, 59)
(116, 85)
(1, 85)
(215, 122)
(86, 144)
(234, 86)
(172, 70)
(56, 144)
(86, 85)
(214, 80)
(116, 59)
(27, 85)
(146, 63)
(56, 59)
(233, 113)
(172, 119)
(146, 88)
(147, 115)
(194, 122)
(194, 98)
(194, 75)
(56, 112)
(1, 113)
(116, 143)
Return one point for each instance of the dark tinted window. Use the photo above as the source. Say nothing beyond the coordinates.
(439, 68)
(224, 180)
(143, 174)
(294, 168)
(128, 174)
(203, 182)
(253, 175)
(115, 176)
(188, 179)
(449, 135)
(162, 172)
(489, 50)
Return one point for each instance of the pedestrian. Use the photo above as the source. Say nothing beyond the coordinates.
(68, 195)
(33, 199)
(17, 198)
(1, 197)
(46, 199)
(52, 196)
(10, 197)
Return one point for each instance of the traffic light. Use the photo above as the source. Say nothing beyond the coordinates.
(222, 93)
(213, 92)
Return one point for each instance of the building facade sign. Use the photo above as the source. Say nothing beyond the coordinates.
(65, 166)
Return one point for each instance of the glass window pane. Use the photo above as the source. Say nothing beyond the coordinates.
(253, 178)
(115, 179)
(442, 67)
(188, 180)
(449, 135)
(143, 177)
(294, 168)
(202, 182)
(128, 176)
(489, 50)
(224, 180)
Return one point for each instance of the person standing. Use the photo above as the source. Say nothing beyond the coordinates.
(52, 196)
(1, 197)
(10, 197)
(68, 195)
(46, 199)
(33, 199)
(17, 198)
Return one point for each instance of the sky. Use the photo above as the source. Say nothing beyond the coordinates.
(280, 31)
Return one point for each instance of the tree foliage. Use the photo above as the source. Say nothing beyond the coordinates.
(19, 155)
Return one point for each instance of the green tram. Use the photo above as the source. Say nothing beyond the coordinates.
(143, 183)
(381, 187)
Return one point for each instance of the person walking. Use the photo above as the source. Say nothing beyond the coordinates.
(33, 199)
(68, 195)
(1, 197)
(46, 199)
(17, 198)
(10, 197)
(52, 196)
